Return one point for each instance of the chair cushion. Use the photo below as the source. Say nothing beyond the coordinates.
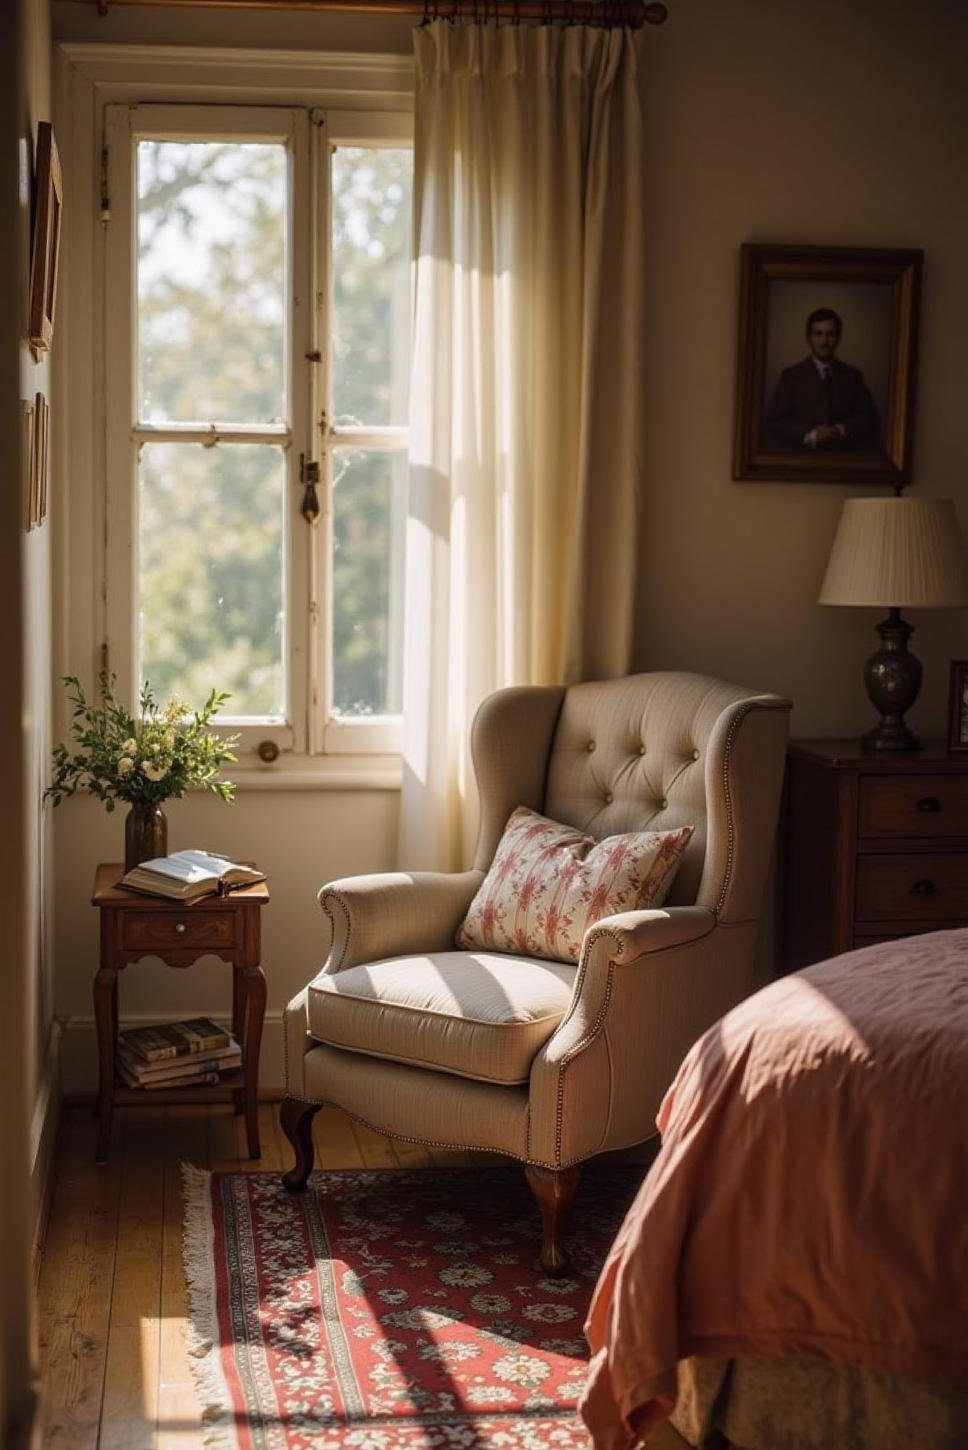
(475, 1014)
(549, 882)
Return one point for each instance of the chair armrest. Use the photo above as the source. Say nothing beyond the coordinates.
(648, 984)
(631, 934)
(394, 913)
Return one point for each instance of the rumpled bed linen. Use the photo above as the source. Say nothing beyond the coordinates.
(810, 1197)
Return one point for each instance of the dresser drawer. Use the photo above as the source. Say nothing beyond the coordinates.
(930, 887)
(150, 931)
(913, 805)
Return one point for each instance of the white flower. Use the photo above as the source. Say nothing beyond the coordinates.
(154, 772)
(129, 747)
(125, 765)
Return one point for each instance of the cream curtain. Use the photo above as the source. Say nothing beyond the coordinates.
(526, 456)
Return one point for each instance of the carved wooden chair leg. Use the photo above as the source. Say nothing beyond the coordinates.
(296, 1121)
(555, 1191)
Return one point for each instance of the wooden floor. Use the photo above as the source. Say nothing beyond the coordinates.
(112, 1297)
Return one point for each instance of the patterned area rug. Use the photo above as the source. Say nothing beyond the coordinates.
(390, 1310)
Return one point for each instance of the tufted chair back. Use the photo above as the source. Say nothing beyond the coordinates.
(646, 752)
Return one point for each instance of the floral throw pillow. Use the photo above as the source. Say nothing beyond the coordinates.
(549, 882)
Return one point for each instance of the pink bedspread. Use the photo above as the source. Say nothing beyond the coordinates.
(811, 1193)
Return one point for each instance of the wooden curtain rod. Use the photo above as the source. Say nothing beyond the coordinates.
(633, 13)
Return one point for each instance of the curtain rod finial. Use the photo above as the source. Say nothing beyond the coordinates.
(656, 13)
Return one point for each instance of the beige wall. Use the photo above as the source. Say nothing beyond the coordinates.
(767, 120)
(827, 123)
(25, 985)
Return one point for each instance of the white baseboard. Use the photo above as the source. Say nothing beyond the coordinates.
(78, 1054)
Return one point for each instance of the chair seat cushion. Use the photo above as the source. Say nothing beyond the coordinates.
(477, 1014)
(548, 883)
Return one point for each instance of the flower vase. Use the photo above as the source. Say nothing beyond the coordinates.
(145, 834)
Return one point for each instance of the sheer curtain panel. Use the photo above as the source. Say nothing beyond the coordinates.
(526, 456)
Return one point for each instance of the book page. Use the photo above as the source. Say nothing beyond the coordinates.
(189, 866)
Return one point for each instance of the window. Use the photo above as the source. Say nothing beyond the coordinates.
(258, 300)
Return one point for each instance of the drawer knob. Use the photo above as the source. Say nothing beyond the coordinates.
(181, 928)
(928, 804)
(923, 888)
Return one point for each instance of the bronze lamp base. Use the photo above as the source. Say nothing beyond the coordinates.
(893, 678)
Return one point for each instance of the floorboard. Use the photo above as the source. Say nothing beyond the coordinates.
(75, 1287)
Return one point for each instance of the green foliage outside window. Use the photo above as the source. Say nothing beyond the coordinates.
(212, 349)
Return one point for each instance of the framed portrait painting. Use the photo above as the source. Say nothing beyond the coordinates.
(46, 241)
(826, 365)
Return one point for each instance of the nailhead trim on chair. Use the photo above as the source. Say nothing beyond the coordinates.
(737, 721)
(596, 1026)
(325, 892)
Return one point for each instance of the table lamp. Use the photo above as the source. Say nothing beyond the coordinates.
(898, 553)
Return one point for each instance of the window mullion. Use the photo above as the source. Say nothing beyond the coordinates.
(321, 594)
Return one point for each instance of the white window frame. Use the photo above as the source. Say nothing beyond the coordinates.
(314, 102)
(125, 127)
(339, 734)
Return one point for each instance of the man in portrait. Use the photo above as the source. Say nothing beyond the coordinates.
(822, 403)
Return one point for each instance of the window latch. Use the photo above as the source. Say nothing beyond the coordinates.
(309, 478)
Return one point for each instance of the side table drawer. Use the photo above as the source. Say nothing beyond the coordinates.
(150, 931)
(912, 887)
(913, 805)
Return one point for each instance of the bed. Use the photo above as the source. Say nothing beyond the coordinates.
(793, 1274)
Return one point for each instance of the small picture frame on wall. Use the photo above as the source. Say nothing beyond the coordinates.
(958, 706)
(27, 460)
(826, 364)
(46, 243)
(37, 507)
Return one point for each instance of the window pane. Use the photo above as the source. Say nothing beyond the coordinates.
(371, 285)
(369, 493)
(211, 282)
(211, 574)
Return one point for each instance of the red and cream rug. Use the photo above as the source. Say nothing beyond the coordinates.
(390, 1310)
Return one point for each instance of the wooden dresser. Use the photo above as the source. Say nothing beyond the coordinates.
(876, 847)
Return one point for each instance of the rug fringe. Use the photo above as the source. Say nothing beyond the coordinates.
(198, 1252)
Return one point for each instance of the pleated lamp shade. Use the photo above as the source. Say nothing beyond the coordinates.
(897, 552)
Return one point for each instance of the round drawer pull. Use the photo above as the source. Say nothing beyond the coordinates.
(928, 805)
(923, 888)
(181, 928)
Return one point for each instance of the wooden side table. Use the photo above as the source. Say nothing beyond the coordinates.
(134, 926)
(877, 846)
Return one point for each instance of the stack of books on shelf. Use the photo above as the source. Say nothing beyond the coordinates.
(176, 1054)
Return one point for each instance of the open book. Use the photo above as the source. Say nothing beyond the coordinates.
(186, 874)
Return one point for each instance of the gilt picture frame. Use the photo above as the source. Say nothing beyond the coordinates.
(826, 364)
(39, 465)
(29, 476)
(45, 255)
(958, 707)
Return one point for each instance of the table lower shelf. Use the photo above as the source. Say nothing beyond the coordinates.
(214, 1092)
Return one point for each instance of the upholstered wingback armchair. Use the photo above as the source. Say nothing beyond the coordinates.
(548, 1061)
